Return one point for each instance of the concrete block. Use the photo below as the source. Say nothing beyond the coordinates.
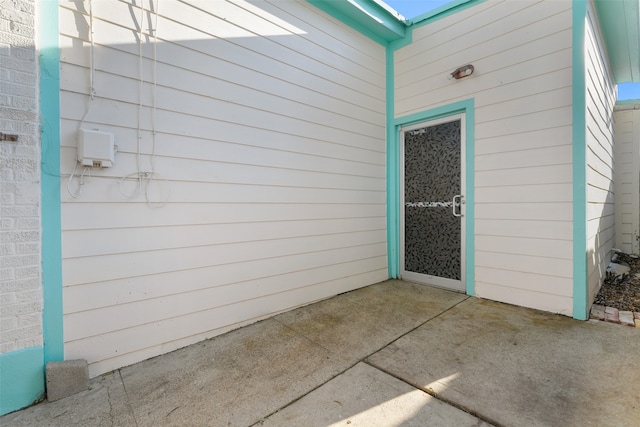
(66, 378)
(637, 322)
(597, 312)
(636, 315)
(626, 318)
(611, 315)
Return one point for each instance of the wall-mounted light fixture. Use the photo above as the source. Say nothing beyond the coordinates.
(461, 72)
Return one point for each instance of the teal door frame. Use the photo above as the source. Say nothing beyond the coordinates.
(394, 189)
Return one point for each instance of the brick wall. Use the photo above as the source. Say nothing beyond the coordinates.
(20, 259)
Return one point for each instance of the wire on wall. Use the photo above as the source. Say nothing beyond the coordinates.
(143, 179)
(92, 94)
(92, 66)
(85, 171)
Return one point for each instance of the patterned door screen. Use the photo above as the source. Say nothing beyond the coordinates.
(432, 180)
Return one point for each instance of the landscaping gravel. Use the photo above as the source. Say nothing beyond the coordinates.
(623, 292)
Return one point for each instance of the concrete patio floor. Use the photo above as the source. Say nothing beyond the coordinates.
(377, 356)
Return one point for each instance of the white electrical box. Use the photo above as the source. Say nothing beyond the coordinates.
(96, 148)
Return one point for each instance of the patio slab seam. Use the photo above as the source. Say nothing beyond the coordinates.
(365, 360)
(128, 399)
(435, 395)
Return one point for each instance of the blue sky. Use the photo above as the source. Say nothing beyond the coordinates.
(412, 8)
(629, 91)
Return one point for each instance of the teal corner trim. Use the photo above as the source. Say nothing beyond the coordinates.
(400, 43)
(580, 284)
(393, 168)
(393, 175)
(471, 198)
(21, 378)
(51, 216)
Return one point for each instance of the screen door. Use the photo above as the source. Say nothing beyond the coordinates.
(432, 205)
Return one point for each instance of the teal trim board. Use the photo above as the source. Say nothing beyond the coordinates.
(366, 16)
(393, 202)
(21, 378)
(580, 284)
(51, 216)
(470, 196)
(393, 175)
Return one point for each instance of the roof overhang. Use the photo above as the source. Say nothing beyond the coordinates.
(620, 24)
(373, 18)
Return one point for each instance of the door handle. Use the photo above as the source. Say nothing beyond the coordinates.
(460, 202)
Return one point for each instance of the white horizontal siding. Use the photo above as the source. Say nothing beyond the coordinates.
(627, 184)
(132, 214)
(239, 172)
(125, 315)
(526, 228)
(600, 100)
(522, 94)
(200, 98)
(122, 265)
(130, 345)
(159, 284)
(265, 125)
(512, 294)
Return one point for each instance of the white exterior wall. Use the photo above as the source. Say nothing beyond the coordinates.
(270, 134)
(20, 259)
(627, 182)
(521, 51)
(600, 100)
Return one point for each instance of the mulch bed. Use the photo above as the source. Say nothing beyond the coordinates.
(622, 293)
